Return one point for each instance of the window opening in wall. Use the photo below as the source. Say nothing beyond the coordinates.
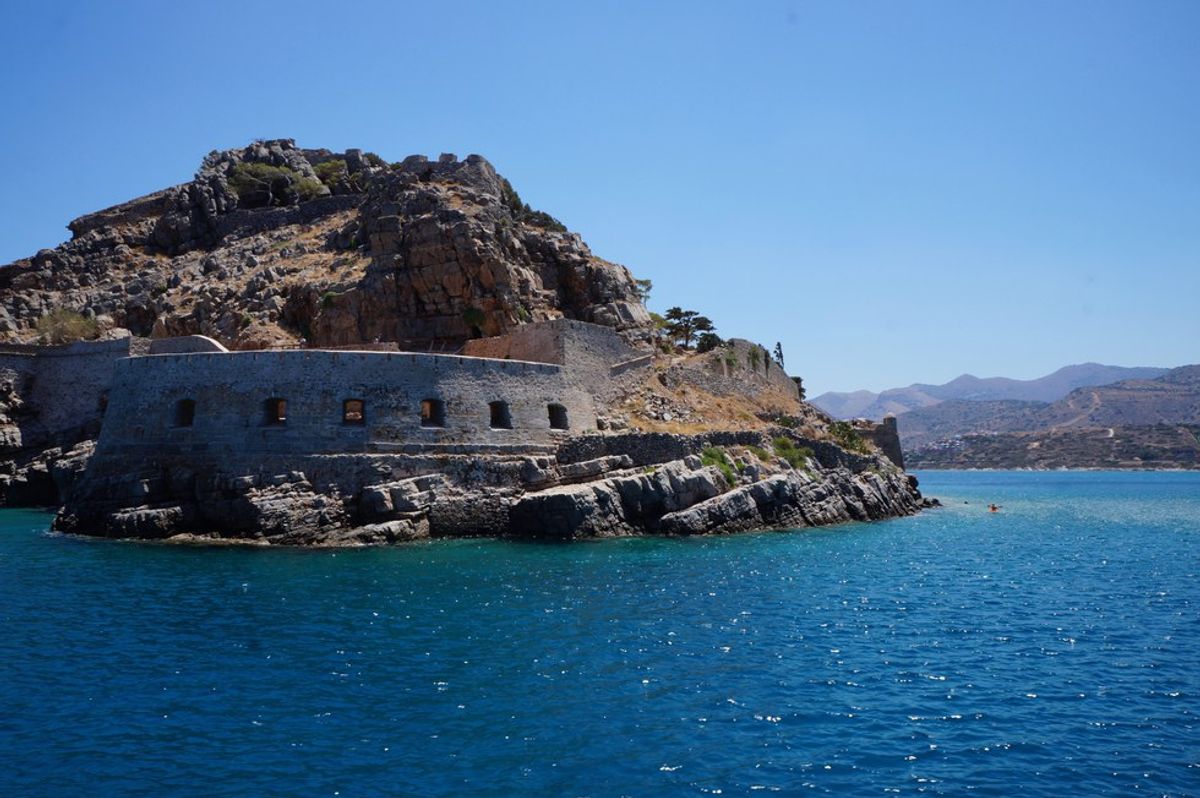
(185, 412)
(501, 416)
(433, 413)
(353, 411)
(558, 417)
(276, 411)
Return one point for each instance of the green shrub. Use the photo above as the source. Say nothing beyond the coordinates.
(759, 452)
(261, 185)
(327, 299)
(714, 456)
(846, 436)
(62, 326)
(330, 172)
(795, 455)
(523, 213)
(374, 160)
(754, 358)
(707, 342)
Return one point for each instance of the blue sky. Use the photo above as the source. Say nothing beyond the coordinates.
(896, 191)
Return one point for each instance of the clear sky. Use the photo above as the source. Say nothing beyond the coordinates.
(896, 191)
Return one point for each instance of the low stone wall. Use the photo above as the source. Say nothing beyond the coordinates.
(185, 344)
(649, 448)
(247, 222)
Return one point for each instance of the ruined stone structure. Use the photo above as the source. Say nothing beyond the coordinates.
(885, 435)
(336, 447)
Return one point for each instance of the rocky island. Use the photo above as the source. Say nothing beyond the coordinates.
(307, 347)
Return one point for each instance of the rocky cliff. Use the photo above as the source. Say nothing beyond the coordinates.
(592, 486)
(270, 244)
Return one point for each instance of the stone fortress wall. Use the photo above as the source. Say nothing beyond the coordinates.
(592, 353)
(884, 434)
(63, 388)
(218, 404)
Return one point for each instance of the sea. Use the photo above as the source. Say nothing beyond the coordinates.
(1050, 648)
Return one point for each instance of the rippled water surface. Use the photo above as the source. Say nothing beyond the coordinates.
(1052, 648)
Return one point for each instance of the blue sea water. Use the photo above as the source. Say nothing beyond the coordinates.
(1051, 648)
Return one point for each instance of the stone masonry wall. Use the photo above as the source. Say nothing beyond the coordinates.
(230, 392)
(885, 435)
(67, 386)
(587, 351)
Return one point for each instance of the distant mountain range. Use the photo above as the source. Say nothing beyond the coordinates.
(1085, 416)
(1173, 398)
(1052, 387)
(1131, 423)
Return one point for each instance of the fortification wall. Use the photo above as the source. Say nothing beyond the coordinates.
(185, 344)
(537, 343)
(749, 368)
(63, 387)
(230, 391)
(885, 435)
(588, 352)
(245, 222)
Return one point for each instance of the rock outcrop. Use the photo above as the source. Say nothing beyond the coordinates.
(378, 499)
(272, 244)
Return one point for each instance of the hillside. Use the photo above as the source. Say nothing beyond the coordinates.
(271, 244)
(1173, 398)
(1132, 423)
(897, 401)
(1158, 446)
(956, 417)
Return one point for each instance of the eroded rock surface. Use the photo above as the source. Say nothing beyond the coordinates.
(270, 244)
(378, 499)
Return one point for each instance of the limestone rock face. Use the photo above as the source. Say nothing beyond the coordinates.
(270, 244)
(616, 506)
(451, 260)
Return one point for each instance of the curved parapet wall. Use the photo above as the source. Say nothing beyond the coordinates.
(213, 406)
(185, 344)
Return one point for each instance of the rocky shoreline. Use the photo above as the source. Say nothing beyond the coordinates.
(721, 483)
